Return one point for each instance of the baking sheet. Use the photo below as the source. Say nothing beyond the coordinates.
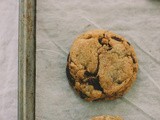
(59, 22)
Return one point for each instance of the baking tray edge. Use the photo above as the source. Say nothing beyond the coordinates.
(26, 59)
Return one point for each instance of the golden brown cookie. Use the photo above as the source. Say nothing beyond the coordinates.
(108, 117)
(101, 65)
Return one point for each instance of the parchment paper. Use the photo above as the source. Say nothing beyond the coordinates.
(59, 22)
(8, 59)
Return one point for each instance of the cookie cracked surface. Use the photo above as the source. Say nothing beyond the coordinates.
(101, 65)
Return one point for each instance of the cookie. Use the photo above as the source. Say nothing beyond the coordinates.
(108, 117)
(101, 65)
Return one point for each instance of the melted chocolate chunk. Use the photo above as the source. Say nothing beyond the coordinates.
(68, 57)
(134, 61)
(70, 78)
(89, 74)
(82, 95)
(110, 47)
(119, 82)
(116, 38)
(100, 40)
(128, 43)
(95, 82)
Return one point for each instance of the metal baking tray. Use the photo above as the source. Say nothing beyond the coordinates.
(60, 22)
(26, 59)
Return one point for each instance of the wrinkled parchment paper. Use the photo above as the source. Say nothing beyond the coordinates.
(59, 22)
(8, 59)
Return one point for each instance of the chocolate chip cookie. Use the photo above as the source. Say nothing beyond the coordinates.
(108, 117)
(101, 65)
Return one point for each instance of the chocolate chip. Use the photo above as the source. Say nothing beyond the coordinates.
(128, 43)
(86, 73)
(116, 38)
(89, 74)
(134, 61)
(82, 95)
(115, 94)
(70, 78)
(95, 83)
(109, 47)
(100, 40)
(68, 57)
(119, 82)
